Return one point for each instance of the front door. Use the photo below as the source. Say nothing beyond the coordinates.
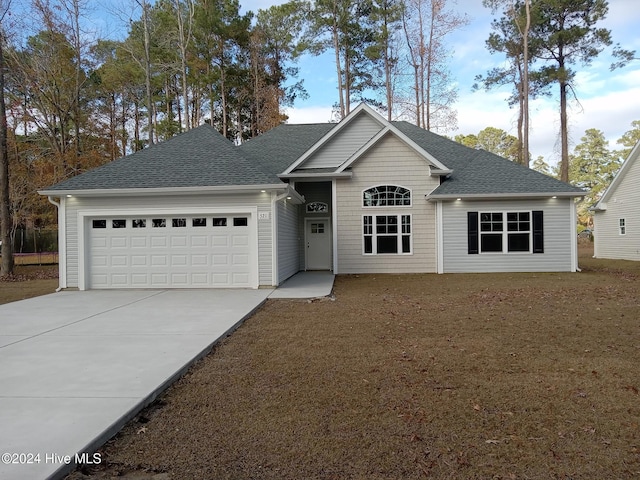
(318, 243)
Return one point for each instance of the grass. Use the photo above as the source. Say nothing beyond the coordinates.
(503, 376)
(29, 280)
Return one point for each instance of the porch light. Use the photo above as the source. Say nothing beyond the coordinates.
(458, 199)
(69, 196)
(288, 198)
(555, 196)
(263, 191)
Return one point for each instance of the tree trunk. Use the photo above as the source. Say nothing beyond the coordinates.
(147, 62)
(525, 86)
(564, 133)
(336, 47)
(6, 268)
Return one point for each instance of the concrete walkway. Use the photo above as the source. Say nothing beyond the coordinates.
(76, 366)
(306, 285)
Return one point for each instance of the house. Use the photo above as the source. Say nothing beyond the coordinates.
(361, 196)
(617, 213)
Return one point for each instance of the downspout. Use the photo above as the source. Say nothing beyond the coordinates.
(62, 247)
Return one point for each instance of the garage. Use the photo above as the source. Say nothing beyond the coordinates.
(171, 251)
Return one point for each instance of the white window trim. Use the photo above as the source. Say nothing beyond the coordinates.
(505, 233)
(622, 226)
(386, 206)
(399, 235)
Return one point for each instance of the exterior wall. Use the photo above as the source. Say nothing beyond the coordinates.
(390, 162)
(345, 143)
(75, 204)
(623, 202)
(558, 237)
(288, 244)
(312, 192)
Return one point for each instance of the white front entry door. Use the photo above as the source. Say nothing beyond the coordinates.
(318, 244)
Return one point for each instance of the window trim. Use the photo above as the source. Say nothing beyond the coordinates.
(399, 236)
(410, 204)
(536, 232)
(622, 226)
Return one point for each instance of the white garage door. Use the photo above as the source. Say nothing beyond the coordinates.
(171, 251)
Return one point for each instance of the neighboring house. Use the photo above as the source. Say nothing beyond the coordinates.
(616, 232)
(361, 196)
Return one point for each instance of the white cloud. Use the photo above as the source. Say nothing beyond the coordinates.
(310, 114)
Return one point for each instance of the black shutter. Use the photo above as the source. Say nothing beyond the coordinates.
(538, 232)
(472, 232)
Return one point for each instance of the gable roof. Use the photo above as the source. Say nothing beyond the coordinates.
(478, 173)
(195, 159)
(362, 109)
(626, 166)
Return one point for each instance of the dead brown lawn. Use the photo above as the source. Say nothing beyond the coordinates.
(28, 281)
(527, 376)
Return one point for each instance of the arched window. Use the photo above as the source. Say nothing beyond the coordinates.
(386, 196)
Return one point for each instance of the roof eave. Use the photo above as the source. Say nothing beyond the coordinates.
(483, 196)
(316, 175)
(136, 192)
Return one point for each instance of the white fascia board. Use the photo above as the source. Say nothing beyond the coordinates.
(327, 175)
(489, 196)
(334, 131)
(136, 192)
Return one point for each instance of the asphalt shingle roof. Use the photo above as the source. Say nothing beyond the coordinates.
(478, 172)
(278, 148)
(200, 157)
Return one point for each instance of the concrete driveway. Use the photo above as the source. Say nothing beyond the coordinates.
(76, 366)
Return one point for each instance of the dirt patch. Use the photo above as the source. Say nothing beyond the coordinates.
(410, 376)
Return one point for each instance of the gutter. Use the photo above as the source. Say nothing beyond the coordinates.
(486, 196)
(109, 192)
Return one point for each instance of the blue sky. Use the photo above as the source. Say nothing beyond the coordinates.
(608, 101)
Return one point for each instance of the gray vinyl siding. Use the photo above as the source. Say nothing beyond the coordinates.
(389, 162)
(288, 245)
(345, 143)
(623, 202)
(264, 227)
(557, 218)
(312, 192)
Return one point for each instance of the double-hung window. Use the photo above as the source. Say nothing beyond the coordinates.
(622, 225)
(386, 232)
(505, 232)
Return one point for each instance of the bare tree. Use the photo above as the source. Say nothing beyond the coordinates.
(184, 12)
(426, 24)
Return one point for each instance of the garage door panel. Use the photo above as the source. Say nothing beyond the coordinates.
(199, 260)
(159, 241)
(180, 279)
(139, 261)
(119, 260)
(199, 241)
(240, 240)
(178, 241)
(118, 242)
(139, 242)
(161, 252)
(178, 260)
(237, 259)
